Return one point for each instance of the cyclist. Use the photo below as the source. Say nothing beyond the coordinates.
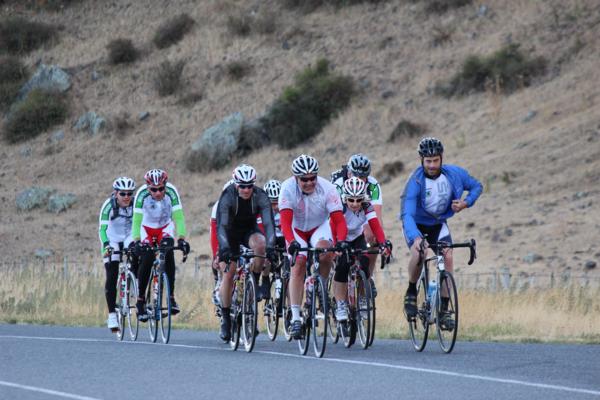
(306, 203)
(237, 212)
(359, 166)
(214, 246)
(358, 211)
(115, 235)
(273, 189)
(433, 194)
(157, 217)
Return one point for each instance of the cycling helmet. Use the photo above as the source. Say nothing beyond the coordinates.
(354, 187)
(304, 165)
(359, 165)
(156, 177)
(273, 187)
(430, 146)
(124, 183)
(244, 175)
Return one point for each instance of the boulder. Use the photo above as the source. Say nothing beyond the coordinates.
(91, 122)
(47, 77)
(33, 197)
(61, 202)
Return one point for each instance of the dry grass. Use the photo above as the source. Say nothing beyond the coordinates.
(41, 294)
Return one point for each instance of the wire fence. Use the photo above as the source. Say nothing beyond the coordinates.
(393, 277)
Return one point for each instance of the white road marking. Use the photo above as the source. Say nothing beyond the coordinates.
(337, 360)
(46, 391)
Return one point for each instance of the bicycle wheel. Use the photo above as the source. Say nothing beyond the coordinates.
(152, 294)
(236, 325)
(349, 335)
(305, 340)
(373, 314)
(164, 307)
(418, 325)
(363, 308)
(270, 309)
(120, 308)
(249, 313)
(132, 294)
(332, 323)
(319, 316)
(286, 310)
(447, 334)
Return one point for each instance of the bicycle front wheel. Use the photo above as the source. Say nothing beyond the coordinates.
(286, 310)
(270, 311)
(164, 306)
(319, 316)
(373, 314)
(120, 308)
(249, 313)
(131, 318)
(364, 308)
(152, 299)
(418, 325)
(447, 315)
(332, 323)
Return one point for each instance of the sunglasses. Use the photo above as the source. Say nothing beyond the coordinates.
(349, 200)
(125, 194)
(158, 189)
(311, 179)
(246, 186)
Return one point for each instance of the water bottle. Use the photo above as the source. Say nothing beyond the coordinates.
(351, 286)
(155, 286)
(123, 285)
(277, 289)
(431, 291)
(308, 287)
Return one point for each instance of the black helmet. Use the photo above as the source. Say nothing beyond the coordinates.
(430, 146)
(359, 165)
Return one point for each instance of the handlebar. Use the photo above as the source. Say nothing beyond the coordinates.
(159, 248)
(378, 250)
(444, 245)
(316, 250)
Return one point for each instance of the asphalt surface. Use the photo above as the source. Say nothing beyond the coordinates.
(47, 362)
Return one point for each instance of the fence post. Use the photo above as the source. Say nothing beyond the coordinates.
(65, 268)
(505, 271)
(196, 267)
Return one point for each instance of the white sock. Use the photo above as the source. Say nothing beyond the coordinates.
(296, 313)
(341, 303)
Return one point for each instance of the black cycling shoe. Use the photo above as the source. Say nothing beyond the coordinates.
(410, 305)
(446, 321)
(142, 314)
(264, 291)
(174, 307)
(296, 329)
(225, 334)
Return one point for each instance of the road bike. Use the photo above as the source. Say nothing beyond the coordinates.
(275, 305)
(127, 290)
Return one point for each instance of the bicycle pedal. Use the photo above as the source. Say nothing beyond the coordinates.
(115, 330)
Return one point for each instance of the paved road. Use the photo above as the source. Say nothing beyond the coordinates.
(43, 362)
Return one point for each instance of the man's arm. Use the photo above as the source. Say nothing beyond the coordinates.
(408, 209)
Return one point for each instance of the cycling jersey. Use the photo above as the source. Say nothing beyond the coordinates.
(356, 220)
(164, 215)
(115, 225)
(373, 187)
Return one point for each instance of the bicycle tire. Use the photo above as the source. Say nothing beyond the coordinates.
(373, 314)
(319, 317)
(304, 342)
(120, 309)
(236, 323)
(271, 313)
(164, 307)
(447, 338)
(350, 338)
(334, 335)
(363, 311)
(151, 309)
(249, 313)
(286, 310)
(132, 293)
(418, 326)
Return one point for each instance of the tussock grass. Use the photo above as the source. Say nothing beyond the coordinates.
(122, 51)
(20, 36)
(13, 75)
(167, 79)
(173, 30)
(41, 294)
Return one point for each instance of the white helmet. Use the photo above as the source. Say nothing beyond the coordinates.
(273, 187)
(124, 183)
(304, 165)
(229, 182)
(156, 177)
(244, 175)
(354, 187)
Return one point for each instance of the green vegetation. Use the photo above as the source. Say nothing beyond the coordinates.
(122, 51)
(173, 31)
(38, 112)
(405, 128)
(20, 36)
(305, 108)
(236, 70)
(167, 80)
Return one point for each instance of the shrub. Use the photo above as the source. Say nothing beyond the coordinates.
(121, 123)
(38, 112)
(13, 75)
(311, 5)
(239, 23)
(20, 36)
(173, 31)
(168, 77)
(442, 6)
(122, 51)
(389, 171)
(406, 128)
(507, 70)
(305, 108)
(190, 99)
(236, 70)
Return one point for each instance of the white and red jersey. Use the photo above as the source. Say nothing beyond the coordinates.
(310, 210)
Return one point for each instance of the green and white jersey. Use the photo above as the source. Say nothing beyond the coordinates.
(114, 222)
(157, 214)
(373, 187)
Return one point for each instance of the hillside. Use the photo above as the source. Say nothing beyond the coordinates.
(541, 173)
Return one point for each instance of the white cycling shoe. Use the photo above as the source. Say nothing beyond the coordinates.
(112, 322)
(341, 312)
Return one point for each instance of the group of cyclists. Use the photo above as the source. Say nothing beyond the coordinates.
(305, 210)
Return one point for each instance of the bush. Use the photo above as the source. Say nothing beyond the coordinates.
(305, 108)
(13, 75)
(122, 51)
(406, 128)
(311, 5)
(168, 78)
(173, 31)
(506, 70)
(239, 24)
(121, 124)
(38, 112)
(442, 6)
(236, 70)
(20, 36)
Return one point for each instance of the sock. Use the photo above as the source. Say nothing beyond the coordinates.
(296, 313)
(412, 288)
